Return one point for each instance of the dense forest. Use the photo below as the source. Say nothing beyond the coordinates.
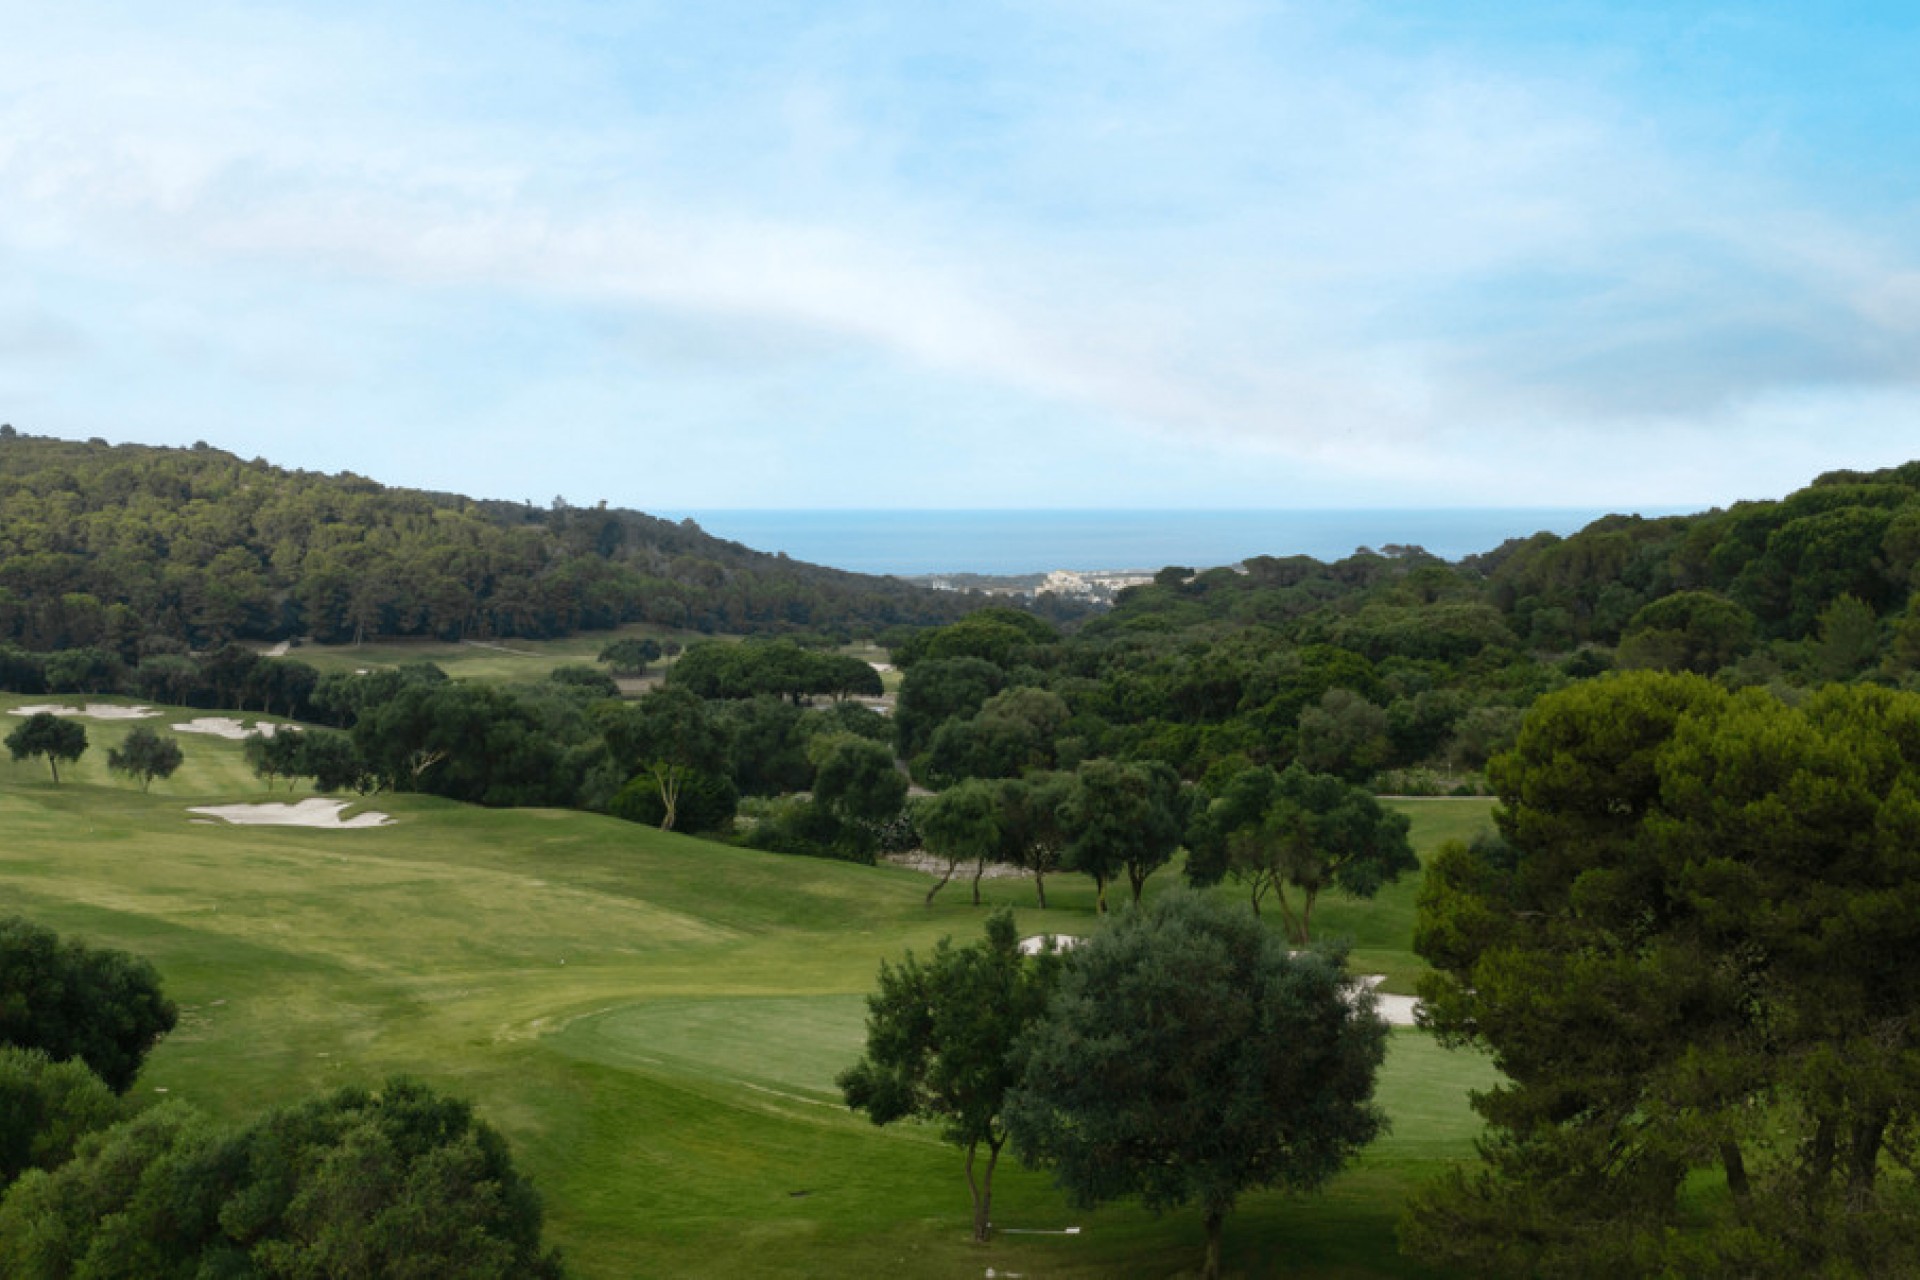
(1390, 669)
(104, 545)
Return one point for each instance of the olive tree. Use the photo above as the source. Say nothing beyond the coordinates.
(45, 734)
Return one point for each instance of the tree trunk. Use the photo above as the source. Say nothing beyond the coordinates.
(1212, 1269)
(1288, 919)
(669, 783)
(1736, 1166)
(1040, 887)
(1138, 882)
(55, 766)
(1863, 1163)
(1100, 883)
(979, 869)
(983, 1189)
(942, 883)
(1820, 1159)
(1306, 918)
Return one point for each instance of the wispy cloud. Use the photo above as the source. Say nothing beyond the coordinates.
(1305, 244)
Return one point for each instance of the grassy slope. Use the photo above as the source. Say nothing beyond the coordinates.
(507, 660)
(654, 1021)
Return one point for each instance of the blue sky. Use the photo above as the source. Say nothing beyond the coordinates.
(1053, 254)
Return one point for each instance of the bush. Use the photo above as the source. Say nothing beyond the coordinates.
(74, 1001)
(45, 1108)
(708, 802)
(352, 1183)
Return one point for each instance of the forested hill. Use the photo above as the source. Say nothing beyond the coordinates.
(1732, 579)
(1395, 660)
(103, 544)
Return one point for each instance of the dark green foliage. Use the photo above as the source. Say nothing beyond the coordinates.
(83, 670)
(706, 802)
(798, 825)
(860, 784)
(780, 668)
(399, 1183)
(1694, 956)
(1014, 730)
(960, 824)
(1034, 816)
(588, 682)
(1694, 631)
(939, 690)
(629, 656)
(1344, 734)
(1002, 637)
(1301, 832)
(45, 734)
(101, 544)
(1184, 1058)
(45, 1108)
(1127, 817)
(940, 1040)
(73, 1001)
(275, 755)
(331, 760)
(470, 742)
(668, 736)
(767, 745)
(146, 755)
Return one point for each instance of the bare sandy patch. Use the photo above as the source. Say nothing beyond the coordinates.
(92, 711)
(1038, 942)
(230, 728)
(1395, 1011)
(303, 813)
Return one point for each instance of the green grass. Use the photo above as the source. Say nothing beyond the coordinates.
(654, 1021)
(509, 660)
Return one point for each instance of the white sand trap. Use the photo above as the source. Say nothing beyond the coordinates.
(304, 813)
(230, 728)
(92, 711)
(1395, 1011)
(1038, 942)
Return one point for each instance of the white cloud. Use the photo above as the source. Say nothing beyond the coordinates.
(1263, 237)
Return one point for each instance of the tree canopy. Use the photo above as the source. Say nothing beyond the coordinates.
(70, 1000)
(940, 1038)
(45, 734)
(145, 755)
(1299, 831)
(1128, 817)
(1694, 954)
(402, 1182)
(1185, 1057)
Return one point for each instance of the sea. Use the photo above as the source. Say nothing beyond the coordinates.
(1008, 543)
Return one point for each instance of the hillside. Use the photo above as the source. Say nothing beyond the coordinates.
(108, 544)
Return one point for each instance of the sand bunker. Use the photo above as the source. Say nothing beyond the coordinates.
(230, 728)
(304, 813)
(1395, 1011)
(1038, 942)
(92, 711)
